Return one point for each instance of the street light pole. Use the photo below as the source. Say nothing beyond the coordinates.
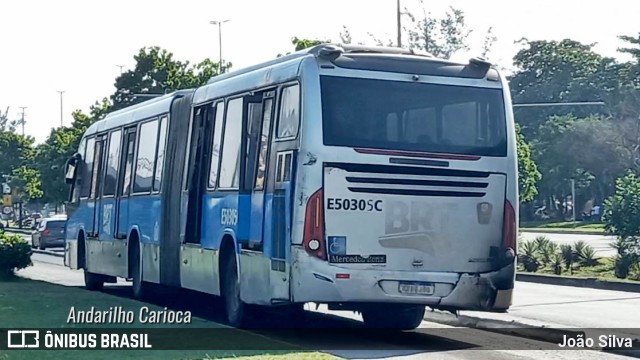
(22, 118)
(61, 112)
(399, 16)
(219, 23)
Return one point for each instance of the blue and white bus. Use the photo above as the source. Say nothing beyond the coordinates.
(370, 179)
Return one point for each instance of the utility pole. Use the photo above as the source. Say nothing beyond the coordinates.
(219, 23)
(399, 16)
(120, 66)
(22, 119)
(61, 112)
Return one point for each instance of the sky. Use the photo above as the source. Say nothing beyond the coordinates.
(76, 46)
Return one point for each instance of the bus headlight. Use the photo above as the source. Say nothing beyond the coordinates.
(314, 244)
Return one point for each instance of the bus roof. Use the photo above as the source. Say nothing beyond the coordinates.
(140, 111)
(374, 58)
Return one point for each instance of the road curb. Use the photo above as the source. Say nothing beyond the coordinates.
(634, 352)
(18, 231)
(513, 328)
(592, 283)
(560, 232)
(47, 252)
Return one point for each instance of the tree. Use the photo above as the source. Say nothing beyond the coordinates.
(345, 35)
(560, 71)
(301, 44)
(489, 40)
(622, 218)
(61, 144)
(15, 151)
(634, 41)
(5, 123)
(439, 37)
(27, 181)
(157, 72)
(528, 174)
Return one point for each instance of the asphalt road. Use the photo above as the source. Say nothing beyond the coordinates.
(600, 243)
(547, 304)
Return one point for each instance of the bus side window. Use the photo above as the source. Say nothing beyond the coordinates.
(87, 169)
(252, 142)
(264, 145)
(289, 119)
(162, 144)
(128, 160)
(96, 173)
(113, 162)
(145, 161)
(230, 159)
(215, 148)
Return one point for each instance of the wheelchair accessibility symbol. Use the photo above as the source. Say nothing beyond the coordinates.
(338, 245)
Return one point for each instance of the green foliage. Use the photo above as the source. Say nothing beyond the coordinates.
(29, 182)
(5, 123)
(301, 44)
(15, 254)
(157, 72)
(622, 218)
(439, 37)
(559, 71)
(15, 151)
(528, 256)
(622, 209)
(542, 253)
(634, 41)
(528, 174)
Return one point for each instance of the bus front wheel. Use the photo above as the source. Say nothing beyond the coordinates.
(236, 309)
(400, 317)
(93, 281)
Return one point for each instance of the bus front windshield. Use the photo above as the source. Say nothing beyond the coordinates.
(410, 116)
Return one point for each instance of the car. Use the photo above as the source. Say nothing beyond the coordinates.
(49, 234)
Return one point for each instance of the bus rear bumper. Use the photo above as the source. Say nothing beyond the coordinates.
(314, 280)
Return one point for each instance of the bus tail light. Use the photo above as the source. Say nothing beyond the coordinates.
(313, 238)
(509, 229)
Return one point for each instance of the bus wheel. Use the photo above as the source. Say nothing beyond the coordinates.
(93, 281)
(393, 317)
(235, 307)
(139, 288)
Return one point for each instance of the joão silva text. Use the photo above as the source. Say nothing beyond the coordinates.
(117, 315)
(604, 341)
(93, 341)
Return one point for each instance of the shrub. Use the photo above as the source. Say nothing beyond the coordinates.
(622, 218)
(548, 252)
(567, 255)
(15, 254)
(587, 256)
(529, 256)
(556, 263)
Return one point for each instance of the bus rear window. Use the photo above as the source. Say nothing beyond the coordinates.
(410, 116)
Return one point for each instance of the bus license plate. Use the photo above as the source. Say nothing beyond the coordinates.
(415, 288)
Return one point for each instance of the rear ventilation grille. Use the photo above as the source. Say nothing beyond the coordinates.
(414, 181)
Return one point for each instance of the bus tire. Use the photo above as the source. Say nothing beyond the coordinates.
(400, 317)
(235, 308)
(93, 282)
(139, 288)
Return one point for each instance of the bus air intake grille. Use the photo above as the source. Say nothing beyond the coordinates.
(413, 181)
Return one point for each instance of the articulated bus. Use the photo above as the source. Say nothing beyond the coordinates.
(370, 179)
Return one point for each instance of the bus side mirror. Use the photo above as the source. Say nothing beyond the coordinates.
(71, 169)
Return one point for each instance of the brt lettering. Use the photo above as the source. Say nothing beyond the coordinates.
(402, 217)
